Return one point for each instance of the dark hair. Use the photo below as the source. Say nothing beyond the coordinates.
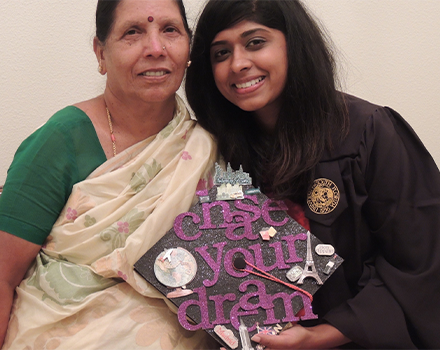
(312, 113)
(105, 16)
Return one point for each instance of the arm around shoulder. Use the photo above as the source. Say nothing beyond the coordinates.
(16, 255)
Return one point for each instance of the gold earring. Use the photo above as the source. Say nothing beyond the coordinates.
(100, 69)
(188, 64)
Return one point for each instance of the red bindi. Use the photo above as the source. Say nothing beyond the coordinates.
(150, 19)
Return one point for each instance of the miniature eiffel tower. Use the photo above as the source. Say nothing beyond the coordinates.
(309, 269)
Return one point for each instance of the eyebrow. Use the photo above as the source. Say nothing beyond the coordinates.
(130, 23)
(242, 35)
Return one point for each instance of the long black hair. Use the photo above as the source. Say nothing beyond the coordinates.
(313, 113)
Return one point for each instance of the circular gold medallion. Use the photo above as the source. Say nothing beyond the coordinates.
(323, 197)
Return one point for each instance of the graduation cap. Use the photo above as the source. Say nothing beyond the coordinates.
(236, 264)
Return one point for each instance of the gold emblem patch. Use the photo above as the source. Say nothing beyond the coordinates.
(323, 197)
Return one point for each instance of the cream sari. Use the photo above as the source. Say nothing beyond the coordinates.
(82, 292)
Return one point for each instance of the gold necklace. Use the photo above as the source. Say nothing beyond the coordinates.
(109, 117)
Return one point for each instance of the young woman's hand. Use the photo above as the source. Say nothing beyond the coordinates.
(323, 336)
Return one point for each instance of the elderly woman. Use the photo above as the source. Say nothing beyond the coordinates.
(90, 191)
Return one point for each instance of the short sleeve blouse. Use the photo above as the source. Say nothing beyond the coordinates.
(64, 151)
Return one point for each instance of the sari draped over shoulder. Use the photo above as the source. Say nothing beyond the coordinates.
(82, 291)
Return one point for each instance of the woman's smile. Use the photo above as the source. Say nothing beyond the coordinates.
(154, 73)
(244, 87)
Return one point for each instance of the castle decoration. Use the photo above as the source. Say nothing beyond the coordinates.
(229, 183)
(230, 176)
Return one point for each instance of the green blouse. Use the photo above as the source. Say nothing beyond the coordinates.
(64, 151)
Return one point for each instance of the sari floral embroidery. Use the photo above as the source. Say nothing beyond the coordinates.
(205, 184)
(142, 177)
(118, 232)
(89, 221)
(77, 204)
(123, 227)
(186, 156)
(122, 275)
(71, 214)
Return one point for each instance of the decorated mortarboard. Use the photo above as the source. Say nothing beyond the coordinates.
(236, 264)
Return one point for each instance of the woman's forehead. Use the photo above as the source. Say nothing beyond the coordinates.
(242, 29)
(154, 9)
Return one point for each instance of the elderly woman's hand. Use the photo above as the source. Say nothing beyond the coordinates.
(323, 336)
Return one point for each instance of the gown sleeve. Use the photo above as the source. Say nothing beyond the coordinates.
(398, 304)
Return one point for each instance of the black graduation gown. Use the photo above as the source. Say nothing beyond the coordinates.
(386, 226)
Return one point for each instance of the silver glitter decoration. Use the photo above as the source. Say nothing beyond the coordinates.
(294, 273)
(231, 177)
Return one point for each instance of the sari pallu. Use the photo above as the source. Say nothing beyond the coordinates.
(82, 292)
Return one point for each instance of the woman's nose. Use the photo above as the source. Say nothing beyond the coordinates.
(154, 46)
(240, 61)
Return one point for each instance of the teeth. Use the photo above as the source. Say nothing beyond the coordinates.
(249, 83)
(154, 74)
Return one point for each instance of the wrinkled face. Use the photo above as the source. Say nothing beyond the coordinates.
(134, 58)
(249, 63)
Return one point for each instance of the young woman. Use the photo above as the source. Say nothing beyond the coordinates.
(94, 188)
(262, 81)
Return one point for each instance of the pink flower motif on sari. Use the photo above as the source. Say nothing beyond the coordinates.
(201, 186)
(186, 156)
(123, 227)
(184, 136)
(205, 185)
(71, 214)
(122, 275)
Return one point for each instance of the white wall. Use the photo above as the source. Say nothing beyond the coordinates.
(389, 49)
